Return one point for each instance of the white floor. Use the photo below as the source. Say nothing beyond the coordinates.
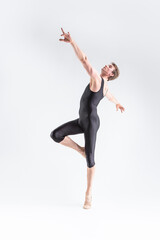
(123, 218)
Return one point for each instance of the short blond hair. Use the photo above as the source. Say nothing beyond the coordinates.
(116, 72)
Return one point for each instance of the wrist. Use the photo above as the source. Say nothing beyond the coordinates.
(71, 42)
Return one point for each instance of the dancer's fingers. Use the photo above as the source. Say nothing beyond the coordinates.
(62, 30)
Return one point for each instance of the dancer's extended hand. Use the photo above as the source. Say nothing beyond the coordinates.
(67, 37)
(119, 106)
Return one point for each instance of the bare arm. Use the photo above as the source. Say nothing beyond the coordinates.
(114, 100)
(68, 39)
(81, 56)
(78, 51)
(84, 60)
(111, 97)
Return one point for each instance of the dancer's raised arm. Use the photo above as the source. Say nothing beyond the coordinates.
(68, 39)
(81, 56)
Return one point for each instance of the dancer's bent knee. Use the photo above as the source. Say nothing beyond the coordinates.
(55, 135)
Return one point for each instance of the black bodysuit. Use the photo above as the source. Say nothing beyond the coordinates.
(87, 123)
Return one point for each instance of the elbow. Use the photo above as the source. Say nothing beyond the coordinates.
(83, 59)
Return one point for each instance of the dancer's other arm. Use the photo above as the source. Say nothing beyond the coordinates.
(114, 100)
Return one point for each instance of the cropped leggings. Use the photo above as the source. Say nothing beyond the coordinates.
(73, 127)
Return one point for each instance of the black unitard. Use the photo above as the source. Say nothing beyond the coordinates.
(87, 123)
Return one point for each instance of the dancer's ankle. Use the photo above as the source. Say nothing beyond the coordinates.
(88, 193)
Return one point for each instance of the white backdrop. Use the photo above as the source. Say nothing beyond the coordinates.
(42, 183)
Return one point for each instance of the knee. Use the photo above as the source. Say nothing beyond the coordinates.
(90, 165)
(55, 135)
(90, 160)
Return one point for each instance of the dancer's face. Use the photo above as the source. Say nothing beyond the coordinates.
(107, 70)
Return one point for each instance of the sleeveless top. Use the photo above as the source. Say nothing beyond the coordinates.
(89, 101)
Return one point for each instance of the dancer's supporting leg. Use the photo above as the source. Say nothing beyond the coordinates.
(90, 143)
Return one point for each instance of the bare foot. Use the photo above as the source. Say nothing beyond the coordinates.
(82, 152)
(88, 201)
